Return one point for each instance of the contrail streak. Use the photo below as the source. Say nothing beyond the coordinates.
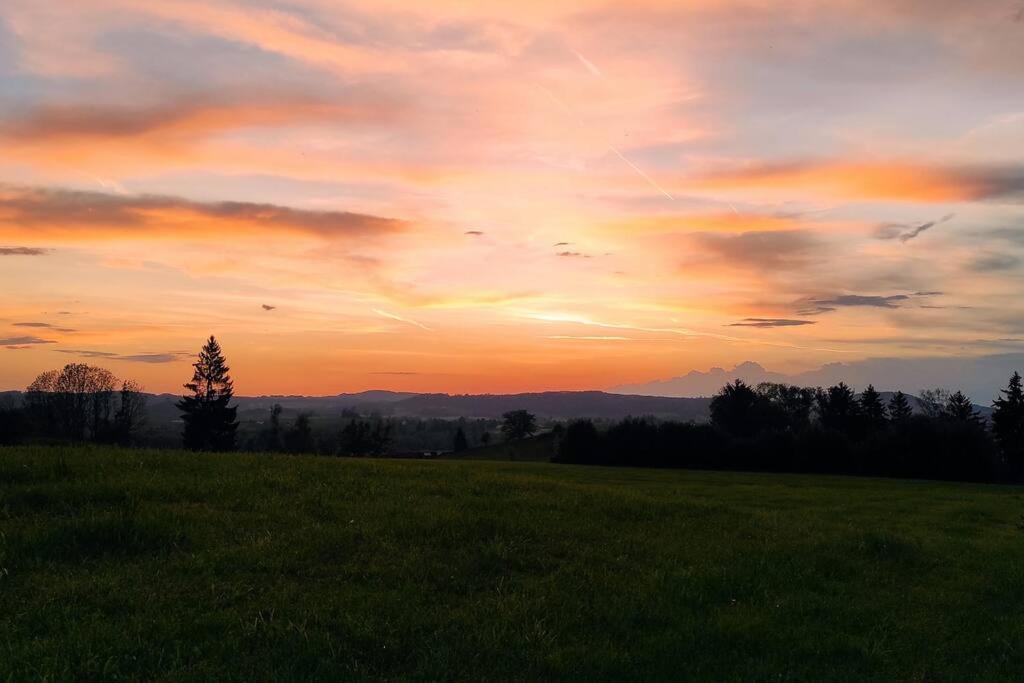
(400, 319)
(643, 175)
(617, 153)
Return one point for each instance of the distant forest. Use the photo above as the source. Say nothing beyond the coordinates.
(768, 427)
(782, 428)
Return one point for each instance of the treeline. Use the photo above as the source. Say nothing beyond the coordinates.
(85, 404)
(781, 428)
(352, 434)
(78, 403)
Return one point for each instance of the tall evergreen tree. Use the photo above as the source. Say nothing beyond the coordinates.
(959, 408)
(899, 407)
(872, 407)
(459, 443)
(1008, 422)
(210, 423)
(838, 408)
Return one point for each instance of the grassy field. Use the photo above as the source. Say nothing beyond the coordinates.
(539, 448)
(176, 566)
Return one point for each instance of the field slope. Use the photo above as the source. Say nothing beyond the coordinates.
(168, 565)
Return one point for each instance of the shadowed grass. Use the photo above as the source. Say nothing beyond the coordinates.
(170, 565)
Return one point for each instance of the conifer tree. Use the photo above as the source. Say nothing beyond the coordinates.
(872, 407)
(838, 408)
(210, 423)
(460, 444)
(1008, 422)
(959, 407)
(899, 407)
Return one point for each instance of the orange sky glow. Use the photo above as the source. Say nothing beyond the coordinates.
(467, 197)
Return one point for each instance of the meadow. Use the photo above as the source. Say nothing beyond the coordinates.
(172, 565)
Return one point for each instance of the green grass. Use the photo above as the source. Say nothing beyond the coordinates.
(538, 448)
(169, 565)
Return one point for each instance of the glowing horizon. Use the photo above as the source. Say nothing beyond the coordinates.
(571, 195)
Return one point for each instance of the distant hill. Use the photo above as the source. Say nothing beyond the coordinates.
(979, 377)
(556, 405)
(549, 405)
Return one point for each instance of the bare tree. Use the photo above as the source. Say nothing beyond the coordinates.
(75, 402)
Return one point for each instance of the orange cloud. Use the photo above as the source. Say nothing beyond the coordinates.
(30, 213)
(191, 117)
(895, 181)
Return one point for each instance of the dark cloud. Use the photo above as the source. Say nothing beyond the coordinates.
(573, 254)
(562, 244)
(473, 233)
(268, 307)
(818, 306)
(22, 251)
(994, 263)
(22, 341)
(771, 322)
(169, 357)
(904, 232)
(151, 357)
(394, 373)
(929, 293)
(88, 354)
(44, 325)
(63, 209)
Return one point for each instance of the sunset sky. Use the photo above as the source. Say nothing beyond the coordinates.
(496, 197)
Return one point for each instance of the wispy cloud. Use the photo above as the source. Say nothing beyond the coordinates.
(771, 322)
(896, 180)
(149, 358)
(48, 326)
(24, 341)
(825, 305)
(23, 251)
(905, 233)
(990, 263)
(407, 321)
(97, 215)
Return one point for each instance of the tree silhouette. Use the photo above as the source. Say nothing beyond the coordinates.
(933, 402)
(959, 407)
(794, 403)
(75, 402)
(459, 443)
(131, 413)
(518, 424)
(299, 438)
(270, 439)
(210, 423)
(872, 407)
(838, 408)
(361, 438)
(738, 409)
(1008, 423)
(899, 408)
